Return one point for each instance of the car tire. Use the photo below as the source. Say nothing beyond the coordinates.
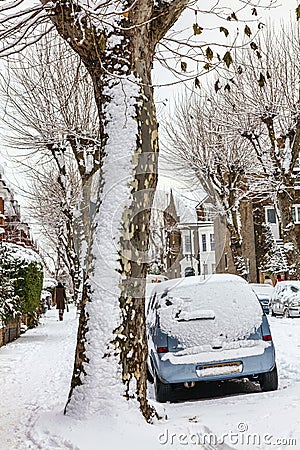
(286, 313)
(162, 390)
(272, 313)
(149, 375)
(269, 381)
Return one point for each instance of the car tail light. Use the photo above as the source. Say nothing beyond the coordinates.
(267, 337)
(162, 349)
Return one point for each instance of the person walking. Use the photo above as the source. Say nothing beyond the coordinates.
(60, 298)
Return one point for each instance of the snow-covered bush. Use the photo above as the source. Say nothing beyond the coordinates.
(10, 306)
(21, 279)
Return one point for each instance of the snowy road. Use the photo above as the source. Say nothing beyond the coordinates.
(250, 418)
(35, 373)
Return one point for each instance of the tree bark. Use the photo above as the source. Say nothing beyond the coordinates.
(285, 200)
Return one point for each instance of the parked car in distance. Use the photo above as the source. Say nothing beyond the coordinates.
(264, 293)
(285, 300)
(152, 278)
(151, 282)
(209, 329)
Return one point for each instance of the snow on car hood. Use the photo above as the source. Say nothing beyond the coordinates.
(210, 313)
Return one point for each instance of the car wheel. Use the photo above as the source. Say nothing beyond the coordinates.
(272, 313)
(286, 313)
(162, 390)
(269, 381)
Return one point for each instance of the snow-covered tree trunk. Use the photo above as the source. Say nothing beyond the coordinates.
(291, 244)
(112, 348)
(235, 241)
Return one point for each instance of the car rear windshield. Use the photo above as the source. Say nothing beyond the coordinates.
(262, 289)
(290, 291)
(199, 314)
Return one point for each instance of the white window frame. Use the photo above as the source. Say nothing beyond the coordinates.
(296, 208)
(203, 241)
(212, 242)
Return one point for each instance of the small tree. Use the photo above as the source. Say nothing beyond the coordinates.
(54, 206)
(199, 145)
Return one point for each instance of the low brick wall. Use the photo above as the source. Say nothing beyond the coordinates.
(9, 332)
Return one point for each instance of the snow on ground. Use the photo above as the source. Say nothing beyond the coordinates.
(35, 373)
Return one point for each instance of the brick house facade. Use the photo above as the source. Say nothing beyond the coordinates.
(15, 231)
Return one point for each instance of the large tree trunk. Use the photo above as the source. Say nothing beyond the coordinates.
(112, 348)
(115, 330)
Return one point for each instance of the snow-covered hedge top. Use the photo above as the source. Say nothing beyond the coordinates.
(24, 254)
(186, 203)
(222, 308)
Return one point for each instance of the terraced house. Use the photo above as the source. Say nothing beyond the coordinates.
(17, 249)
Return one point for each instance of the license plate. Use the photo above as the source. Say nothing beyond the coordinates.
(218, 369)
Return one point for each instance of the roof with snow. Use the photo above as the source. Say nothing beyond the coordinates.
(186, 203)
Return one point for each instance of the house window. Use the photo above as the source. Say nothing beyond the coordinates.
(187, 244)
(204, 244)
(212, 242)
(205, 269)
(296, 213)
(271, 215)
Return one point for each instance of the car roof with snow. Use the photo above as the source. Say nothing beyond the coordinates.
(198, 309)
(262, 289)
(197, 280)
(289, 283)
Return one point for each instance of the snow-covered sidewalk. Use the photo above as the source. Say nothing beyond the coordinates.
(35, 374)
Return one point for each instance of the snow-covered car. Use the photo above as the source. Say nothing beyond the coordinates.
(285, 300)
(264, 293)
(206, 330)
(23, 328)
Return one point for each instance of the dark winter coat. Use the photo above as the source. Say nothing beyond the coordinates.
(60, 297)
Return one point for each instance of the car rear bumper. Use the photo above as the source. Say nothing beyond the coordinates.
(169, 372)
